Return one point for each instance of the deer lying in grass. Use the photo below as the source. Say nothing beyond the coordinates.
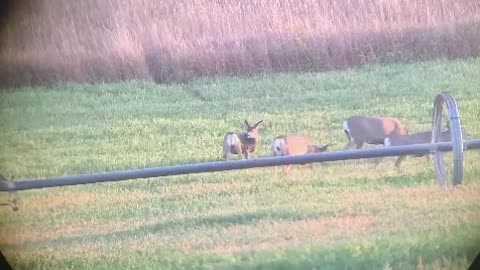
(416, 138)
(239, 143)
(371, 130)
(292, 145)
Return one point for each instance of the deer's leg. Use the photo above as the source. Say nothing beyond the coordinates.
(358, 145)
(349, 145)
(351, 140)
(378, 159)
(238, 151)
(399, 161)
(14, 201)
(226, 150)
(376, 162)
(308, 165)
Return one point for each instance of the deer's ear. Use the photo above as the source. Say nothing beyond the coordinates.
(246, 123)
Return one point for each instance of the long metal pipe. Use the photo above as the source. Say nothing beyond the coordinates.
(232, 165)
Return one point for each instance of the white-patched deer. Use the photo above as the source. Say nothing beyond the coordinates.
(291, 145)
(416, 138)
(371, 130)
(239, 143)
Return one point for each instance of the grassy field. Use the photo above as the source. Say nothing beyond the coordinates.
(342, 216)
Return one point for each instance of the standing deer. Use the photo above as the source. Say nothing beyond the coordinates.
(238, 143)
(371, 130)
(416, 138)
(292, 145)
(13, 202)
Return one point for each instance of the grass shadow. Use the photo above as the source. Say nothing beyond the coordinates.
(174, 226)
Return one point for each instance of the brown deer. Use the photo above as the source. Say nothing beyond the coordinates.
(238, 143)
(371, 130)
(292, 145)
(416, 138)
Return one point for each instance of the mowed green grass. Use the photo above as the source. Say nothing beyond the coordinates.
(339, 215)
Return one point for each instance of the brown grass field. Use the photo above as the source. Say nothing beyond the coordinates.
(43, 42)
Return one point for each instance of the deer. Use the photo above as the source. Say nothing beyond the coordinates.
(14, 201)
(416, 138)
(292, 145)
(371, 130)
(242, 143)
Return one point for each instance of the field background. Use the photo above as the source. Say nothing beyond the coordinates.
(78, 95)
(342, 216)
(43, 42)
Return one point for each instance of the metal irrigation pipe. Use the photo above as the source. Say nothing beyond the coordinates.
(232, 165)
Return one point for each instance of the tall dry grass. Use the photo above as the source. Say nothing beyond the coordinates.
(46, 41)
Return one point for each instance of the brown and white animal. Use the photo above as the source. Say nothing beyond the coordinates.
(239, 143)
(416, 138)
(371, 130)
(292, 145)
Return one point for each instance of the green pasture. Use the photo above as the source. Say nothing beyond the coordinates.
(340, 215)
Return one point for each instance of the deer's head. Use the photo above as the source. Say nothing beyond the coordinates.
(252, 131)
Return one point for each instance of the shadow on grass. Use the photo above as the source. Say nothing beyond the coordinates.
(178, 226)
(444, 249)
(438, 249)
